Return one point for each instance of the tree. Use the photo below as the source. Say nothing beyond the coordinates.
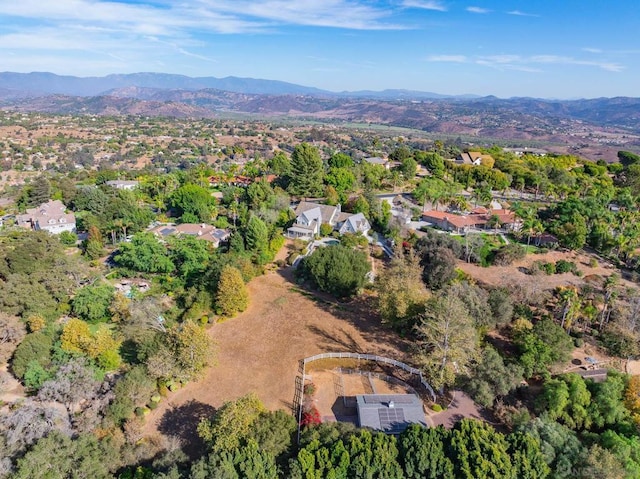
(492, 377)
(191, 347)
(145, 254)
(307, 171)
(30, 421)
(57, 456)
(544, 345)
(628, 158)
(94, 246)
(447, 340)
(92, 302)
(193, 203)
(40, 192)
(401, 292)
(480, 451)
(439, 267)
(337, 269)
(231, 423)
(409, 168)
(73, 384)
(279, 164)
(527, 457)
(560, 447)
(257, 235)
(423, 453)
(34, 347)
(232, 295)
(132, 389)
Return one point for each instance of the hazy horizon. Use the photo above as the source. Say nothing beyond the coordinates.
(567, 50)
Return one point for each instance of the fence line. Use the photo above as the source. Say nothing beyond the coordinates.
(377, 359)
(367, 357)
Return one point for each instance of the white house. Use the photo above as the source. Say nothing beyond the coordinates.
(50, 216)
(123, 184)
(310, 216)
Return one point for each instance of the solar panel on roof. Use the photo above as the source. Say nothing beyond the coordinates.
(381, 398)
(391, 419)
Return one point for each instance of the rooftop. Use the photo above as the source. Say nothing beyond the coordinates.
(390, 413)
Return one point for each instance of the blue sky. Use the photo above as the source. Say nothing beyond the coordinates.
(548, 49)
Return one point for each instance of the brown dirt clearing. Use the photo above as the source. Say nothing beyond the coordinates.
(259, 350)
(514, 274)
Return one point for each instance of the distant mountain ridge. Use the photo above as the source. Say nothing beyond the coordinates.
(44, 83)
(151, 94)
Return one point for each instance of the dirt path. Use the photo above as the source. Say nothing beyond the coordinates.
(259, 351)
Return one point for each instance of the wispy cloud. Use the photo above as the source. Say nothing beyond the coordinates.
(478, 10)
(447, 58)
(425, 5)
(592, 50)
(525, 63)
(519, 13)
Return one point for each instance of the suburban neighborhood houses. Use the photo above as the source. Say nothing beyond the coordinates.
(51, 216)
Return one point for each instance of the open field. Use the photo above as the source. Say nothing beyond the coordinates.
(259, 351)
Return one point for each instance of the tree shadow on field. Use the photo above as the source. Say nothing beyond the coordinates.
(361, 312)
(345, 341)
(182, 422)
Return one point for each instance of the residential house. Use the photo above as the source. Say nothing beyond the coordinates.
(474, 158)
(201, 231)
(51, 216)
(479, 218)
(375, 160)
(310, 216)
(123, 184)
(526, 151)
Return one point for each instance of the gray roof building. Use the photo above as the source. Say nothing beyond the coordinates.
(390, 413)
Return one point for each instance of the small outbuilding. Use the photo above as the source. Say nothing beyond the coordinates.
(390, 413)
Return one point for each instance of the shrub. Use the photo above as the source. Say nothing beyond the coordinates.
(593, 263)
(325, 229)
(139, 411)
(549, 268)
(563, 266)
(309, 389)
(509, 253)
(163, 390)
(437, 408)
(311, 417)
(152, 405)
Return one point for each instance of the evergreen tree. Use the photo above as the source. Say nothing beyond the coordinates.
(307, 171)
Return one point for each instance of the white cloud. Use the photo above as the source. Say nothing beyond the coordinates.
(447, 58)
(425, 5)
(592, 50)
(522, 14)
(526, 64)
(477, 10)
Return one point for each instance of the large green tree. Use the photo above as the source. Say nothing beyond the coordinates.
(337, 269)
(307, 171)
(193, 203)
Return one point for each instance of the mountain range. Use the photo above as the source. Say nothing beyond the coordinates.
(182, 96)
